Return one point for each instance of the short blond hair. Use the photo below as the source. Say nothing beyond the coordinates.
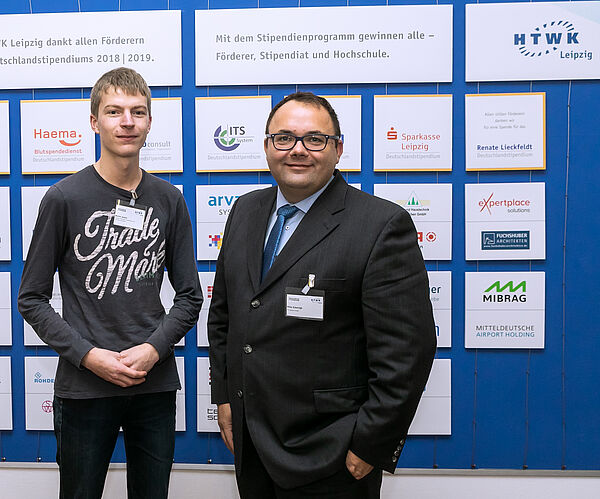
(125, 79)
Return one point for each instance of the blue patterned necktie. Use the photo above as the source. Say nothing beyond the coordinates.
(283, 213)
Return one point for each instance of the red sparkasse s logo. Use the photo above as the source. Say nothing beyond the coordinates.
(67, 138)
(489, 203)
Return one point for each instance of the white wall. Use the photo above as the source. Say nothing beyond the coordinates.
(23, 480)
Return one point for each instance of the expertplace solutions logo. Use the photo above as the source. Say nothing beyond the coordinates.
(555, 37)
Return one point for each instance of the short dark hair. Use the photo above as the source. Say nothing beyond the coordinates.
(125, 79)
(308, 98)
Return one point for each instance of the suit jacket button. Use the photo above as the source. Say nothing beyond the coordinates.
(396, 453)
(247, 348)
(402, 442)
(255, 303)
(240, 393)
(394, 459)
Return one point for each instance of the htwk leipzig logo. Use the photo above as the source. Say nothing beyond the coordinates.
(228, 138)
(555, 37)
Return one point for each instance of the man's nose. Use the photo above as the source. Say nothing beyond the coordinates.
(126, 119)
(299, 148)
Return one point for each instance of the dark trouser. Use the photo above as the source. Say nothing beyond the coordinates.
(86, 432)
(254, 481)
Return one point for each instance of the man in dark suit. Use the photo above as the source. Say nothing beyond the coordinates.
(321, 330)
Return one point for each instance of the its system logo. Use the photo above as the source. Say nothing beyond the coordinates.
(548, 38)
(68, 138)
(498, 293)
(215, 241)
(229, 138)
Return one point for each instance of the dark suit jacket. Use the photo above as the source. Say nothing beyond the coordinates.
(310, 390)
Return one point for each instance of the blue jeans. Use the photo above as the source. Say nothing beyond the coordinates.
(86, 432)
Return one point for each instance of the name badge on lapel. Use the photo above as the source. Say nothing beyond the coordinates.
(301, 305)
(129, 216)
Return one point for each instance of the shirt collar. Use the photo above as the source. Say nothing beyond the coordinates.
(303, 205)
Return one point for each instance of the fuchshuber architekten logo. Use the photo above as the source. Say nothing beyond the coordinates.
(558, 37)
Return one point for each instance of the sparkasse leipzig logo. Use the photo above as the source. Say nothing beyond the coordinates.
(554, 37)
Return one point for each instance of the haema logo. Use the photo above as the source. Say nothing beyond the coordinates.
(227, 137)
(505, 293)
(47, 406)
(67, 138)
(547, 39)
(215, 241)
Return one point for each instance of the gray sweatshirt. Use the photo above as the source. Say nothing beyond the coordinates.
(110, 279)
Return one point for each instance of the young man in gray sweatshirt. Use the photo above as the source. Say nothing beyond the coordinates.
(111, 230)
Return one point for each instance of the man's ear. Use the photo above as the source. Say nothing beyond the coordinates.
(94, 123)
(339, 150)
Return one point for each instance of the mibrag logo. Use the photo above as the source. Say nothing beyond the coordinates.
(549, 38)
(508, 292)
(68, 138)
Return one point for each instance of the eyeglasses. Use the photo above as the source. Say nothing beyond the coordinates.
(312, 141)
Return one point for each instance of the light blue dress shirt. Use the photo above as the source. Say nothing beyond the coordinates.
(294, 221)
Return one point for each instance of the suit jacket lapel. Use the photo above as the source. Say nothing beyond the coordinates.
(256, 226)
(321, 219)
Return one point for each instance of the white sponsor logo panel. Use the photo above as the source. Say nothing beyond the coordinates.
(206, 411)
(505, 131)
(348, 110)
(56, 136)
(230, 133)
(412, 133)
(434, 413)
(213, 204)
(5, 309)
(4, 138)
(505, 221)
(180, 396)
(430, 206)
(532, 41)
(6, 420)
(440, 294)
(39, 392)
(163, 148)
(5, 253)
(505, 309)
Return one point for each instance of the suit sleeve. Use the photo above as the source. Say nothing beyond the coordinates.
(180, 262)
(401, 342)
(218, 325)
(47, 247)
